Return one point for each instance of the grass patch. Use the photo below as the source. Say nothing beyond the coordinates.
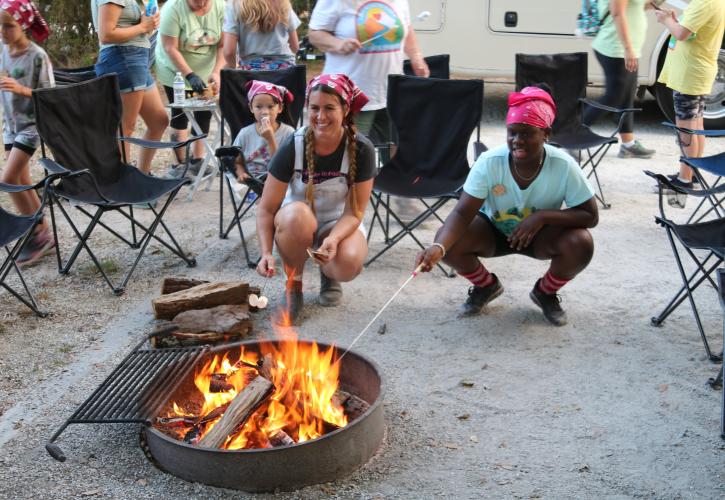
(108, 265)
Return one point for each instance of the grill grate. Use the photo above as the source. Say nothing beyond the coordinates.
(135, 390)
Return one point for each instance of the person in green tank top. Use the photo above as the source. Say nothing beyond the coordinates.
(618, 47)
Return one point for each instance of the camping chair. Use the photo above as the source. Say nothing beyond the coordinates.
(439, 66)
(566, 75)
(236, 113)
(708, 236)
(717, 381)
(714, 164)
(431, 161)
(67, 76)
(18, 229)
(79, 124)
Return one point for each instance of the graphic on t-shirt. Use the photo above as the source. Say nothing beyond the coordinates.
(379, 28)
(507, 222)
(201, 40)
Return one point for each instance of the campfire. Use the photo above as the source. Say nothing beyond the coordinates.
(283, 394)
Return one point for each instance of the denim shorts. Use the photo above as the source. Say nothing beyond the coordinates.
(688, 107)
(26, 140)
(130, 63)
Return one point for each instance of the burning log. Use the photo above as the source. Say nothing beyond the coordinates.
(176, 421)
(219, 383)
(280, 438)
(353, 405)
(201, 296)
(239, 410)
(229, 319)
(171, 285)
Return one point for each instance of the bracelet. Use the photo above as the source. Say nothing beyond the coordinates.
(443, 249)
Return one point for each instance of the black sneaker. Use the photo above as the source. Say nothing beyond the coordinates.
(550, 305)
(288, 312)
(479, 296)
(330, 291)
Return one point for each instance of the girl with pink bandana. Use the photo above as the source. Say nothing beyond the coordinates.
(315, 195)
(512, 203)
(24, 66)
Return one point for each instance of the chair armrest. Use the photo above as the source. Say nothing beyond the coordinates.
(161, 144)
(604, 107)
(684, 130)
(59, 171)
(665, 181)
(53, 167)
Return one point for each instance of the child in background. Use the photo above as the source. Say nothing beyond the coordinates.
(259, 140)
(690, 69)
(24, 66)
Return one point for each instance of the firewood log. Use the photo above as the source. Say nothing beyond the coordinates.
(219, 383)
(280, 438)
(171, 285)
(201, 296)
(240, 409)
(222, 319)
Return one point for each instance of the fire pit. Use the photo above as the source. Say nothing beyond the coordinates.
(283, 444)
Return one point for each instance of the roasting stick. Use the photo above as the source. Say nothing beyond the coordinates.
(413, 275)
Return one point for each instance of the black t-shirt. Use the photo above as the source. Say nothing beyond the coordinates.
(282, 165)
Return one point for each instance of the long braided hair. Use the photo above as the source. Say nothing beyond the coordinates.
(350, 133)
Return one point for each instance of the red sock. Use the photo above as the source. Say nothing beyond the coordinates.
(550, 284)
(480, 277)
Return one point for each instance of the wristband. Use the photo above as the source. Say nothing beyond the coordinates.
(443, 249)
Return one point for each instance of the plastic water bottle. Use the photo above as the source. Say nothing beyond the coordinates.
(151, 7)
(179, 89)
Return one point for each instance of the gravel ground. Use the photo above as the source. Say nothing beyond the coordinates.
(606, 406)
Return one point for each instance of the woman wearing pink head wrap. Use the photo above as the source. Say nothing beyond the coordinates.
(318, 186)
(512, 203)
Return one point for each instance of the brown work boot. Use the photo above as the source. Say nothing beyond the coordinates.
(289, 309)
(330, 291)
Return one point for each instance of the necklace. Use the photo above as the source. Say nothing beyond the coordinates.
(536, 172)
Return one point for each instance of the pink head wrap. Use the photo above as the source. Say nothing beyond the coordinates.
(342, 86)
(532, 106)
(279, 92)
(27, 16)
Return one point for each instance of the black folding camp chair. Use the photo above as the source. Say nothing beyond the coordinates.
(17, 229)
(566, 75)
(236, 114)
(439, 66)
(67, 76)
(691, 237)
(708, 206)
(717, 381)
(79, 123)
(431, 162)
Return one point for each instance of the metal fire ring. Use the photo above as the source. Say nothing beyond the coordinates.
(320, 460)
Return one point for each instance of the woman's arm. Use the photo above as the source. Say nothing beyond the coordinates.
(229, 49)
(110, 32)
(349, 221)
(220, 63)
(294, 42)
(171, 46)
(618, 10)
(669, 19)
(269, 203)
(412, 50)
(327, 42)
(451, 231)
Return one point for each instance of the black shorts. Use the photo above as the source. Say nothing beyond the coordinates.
(21, 147)
(502, 244)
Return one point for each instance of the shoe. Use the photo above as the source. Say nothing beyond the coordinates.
(175, 171)
(636, 150)
(550, 305)
(330, 291)
(38, 245)
(479, 296)
(288, 312)
(674, 179)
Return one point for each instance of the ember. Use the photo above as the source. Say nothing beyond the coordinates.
(285, 393)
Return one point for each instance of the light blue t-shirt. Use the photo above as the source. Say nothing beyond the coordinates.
(561, 180)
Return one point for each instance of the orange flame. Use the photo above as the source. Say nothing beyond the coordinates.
(305, 379)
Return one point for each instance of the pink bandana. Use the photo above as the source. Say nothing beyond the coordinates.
(279, 92)
(27, 16)
(344, 87)
(532, 106)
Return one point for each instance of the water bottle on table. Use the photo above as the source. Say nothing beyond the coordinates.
(179, 89)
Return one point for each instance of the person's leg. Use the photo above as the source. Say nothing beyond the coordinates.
(178, 125)
(689, 114)
(610, 66)
(154, 115)
(203, 118)
(347, 264)
(570, 251)
(295, 227)
(131, 105)
(17, 171)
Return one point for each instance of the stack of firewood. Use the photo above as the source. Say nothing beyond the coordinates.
(202, 312)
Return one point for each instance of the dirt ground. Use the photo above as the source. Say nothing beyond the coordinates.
(607, 406)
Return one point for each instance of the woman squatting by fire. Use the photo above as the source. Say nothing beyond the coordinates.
(315, 195)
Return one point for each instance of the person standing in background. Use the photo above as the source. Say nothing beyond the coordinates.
(690, 69)
(123, 33)
(191, 43)
(260, 35)
(367, 41)
(618, 47)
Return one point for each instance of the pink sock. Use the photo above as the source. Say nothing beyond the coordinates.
(480, 277)
(550, 284)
